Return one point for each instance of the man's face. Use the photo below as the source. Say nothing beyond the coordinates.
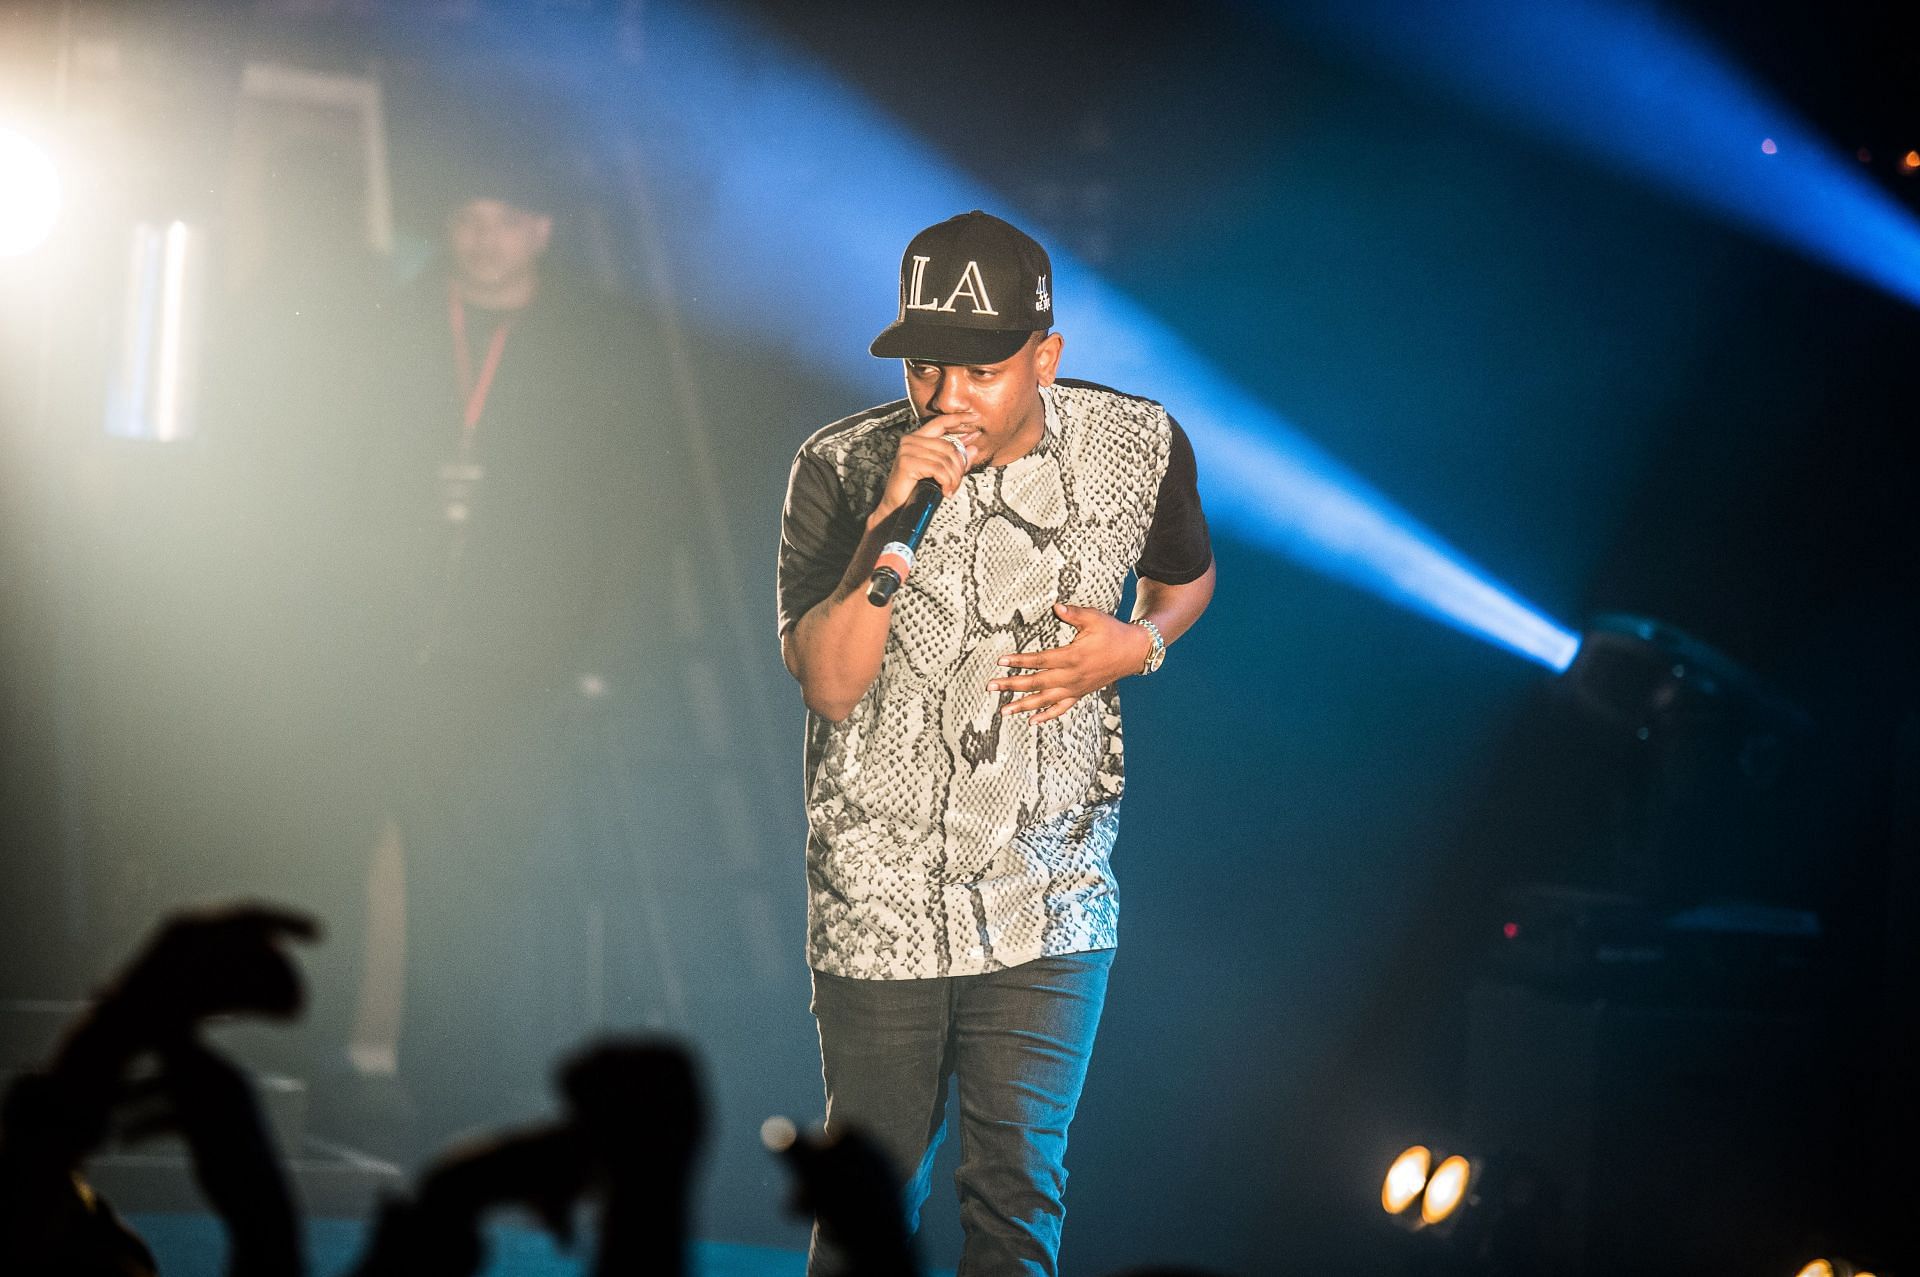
(496, 243)
(1001, 402)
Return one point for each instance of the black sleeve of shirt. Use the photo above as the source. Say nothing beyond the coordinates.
(818, 536)
(1178, 548)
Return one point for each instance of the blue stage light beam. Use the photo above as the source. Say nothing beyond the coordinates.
(1645, 94)
(805, 194)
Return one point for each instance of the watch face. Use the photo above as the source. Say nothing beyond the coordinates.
(1157, 653)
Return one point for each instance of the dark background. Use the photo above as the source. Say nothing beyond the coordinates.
(1611, 400)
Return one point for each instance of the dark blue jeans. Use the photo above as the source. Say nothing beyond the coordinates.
(1018, 1042)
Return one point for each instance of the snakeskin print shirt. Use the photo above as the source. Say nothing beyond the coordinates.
(943, 838)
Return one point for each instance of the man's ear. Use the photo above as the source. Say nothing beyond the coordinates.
(1046, 359)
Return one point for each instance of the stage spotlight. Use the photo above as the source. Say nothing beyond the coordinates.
(1406, 1179)
(1833, 1268)
(29, 195)
(1442, 1185)
(1650, 678)
(1446, 1190)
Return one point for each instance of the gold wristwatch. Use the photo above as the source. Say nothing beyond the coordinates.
(1158, 652)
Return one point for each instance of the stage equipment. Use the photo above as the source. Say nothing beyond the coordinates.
(1661, 1047)
(1676, 1138)
(1646, 677)
(1581, 942)
(1711, 768)
(30, 194)
(1833, 1268)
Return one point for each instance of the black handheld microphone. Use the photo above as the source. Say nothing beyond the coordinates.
(908, 525)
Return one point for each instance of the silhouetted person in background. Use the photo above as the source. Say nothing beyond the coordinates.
(519, 462)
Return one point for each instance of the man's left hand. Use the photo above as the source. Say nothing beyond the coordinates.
(1104, 649)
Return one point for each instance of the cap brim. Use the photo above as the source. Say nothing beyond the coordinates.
(940, 344)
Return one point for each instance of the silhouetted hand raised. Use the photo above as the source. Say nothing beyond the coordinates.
(638, 1106)
(438, 1234)
(846, 1182)
(221, 961)
(212, 1105)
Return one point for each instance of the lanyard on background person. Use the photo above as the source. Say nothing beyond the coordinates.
(473, 390)
(460, 478)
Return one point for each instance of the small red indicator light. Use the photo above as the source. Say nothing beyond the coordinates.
(1510, 930)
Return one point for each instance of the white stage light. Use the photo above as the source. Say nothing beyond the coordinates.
(29, 194)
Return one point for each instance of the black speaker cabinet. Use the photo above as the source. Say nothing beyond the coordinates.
(1673, 1140)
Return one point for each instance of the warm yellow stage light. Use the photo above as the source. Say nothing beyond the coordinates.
(1445, 1190)
(1405, 1178)
(1833, 1268)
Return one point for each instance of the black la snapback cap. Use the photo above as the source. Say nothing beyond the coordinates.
(972, 289)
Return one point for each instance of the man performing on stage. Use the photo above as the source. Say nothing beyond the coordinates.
(963, 757)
